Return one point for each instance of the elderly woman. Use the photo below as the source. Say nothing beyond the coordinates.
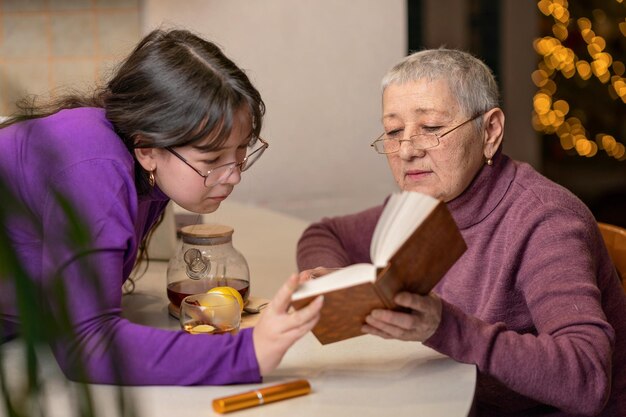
(535, 302)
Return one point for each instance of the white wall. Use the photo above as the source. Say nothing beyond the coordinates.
(318, 66)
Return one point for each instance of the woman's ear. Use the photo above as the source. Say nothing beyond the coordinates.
(493, 131)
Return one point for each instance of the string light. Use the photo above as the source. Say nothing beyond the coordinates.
(549, 113)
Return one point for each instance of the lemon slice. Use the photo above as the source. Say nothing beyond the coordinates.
(202, 328)
(228, 291)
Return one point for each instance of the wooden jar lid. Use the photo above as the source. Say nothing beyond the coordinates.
(206, 233)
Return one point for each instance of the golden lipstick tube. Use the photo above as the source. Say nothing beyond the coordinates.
(261, 396)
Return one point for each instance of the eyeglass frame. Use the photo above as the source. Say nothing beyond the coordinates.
(410, 139)
(232, 165)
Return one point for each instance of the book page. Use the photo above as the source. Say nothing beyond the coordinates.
(343, 278)
(387, 219)
(388, 214)
(411, 210)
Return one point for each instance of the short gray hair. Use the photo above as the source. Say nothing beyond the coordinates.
(469, 79)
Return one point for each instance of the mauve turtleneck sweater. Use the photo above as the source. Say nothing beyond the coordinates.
(535, 302)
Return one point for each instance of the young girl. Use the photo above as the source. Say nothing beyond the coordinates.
(180, 121)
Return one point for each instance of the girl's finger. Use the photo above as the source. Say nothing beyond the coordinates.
(307, 313)
(282, 299)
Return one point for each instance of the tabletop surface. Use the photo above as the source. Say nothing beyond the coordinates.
(363, 376)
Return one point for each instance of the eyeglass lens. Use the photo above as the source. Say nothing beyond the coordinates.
(222, 173)
(417, 142)
(219, 175)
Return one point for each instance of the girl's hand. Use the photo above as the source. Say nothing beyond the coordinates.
(278, 329)
(308, 274)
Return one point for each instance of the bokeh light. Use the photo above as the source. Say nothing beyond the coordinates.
(550, 111)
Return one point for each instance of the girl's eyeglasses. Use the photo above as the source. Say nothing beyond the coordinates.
(220, 174)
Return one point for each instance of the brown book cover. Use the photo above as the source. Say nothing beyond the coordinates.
(416, 266)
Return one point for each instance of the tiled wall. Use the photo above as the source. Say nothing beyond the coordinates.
(48, 45)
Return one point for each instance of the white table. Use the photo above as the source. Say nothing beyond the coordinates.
(364, 376)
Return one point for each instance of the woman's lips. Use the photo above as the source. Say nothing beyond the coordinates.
(416, 174)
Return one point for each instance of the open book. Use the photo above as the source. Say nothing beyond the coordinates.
(414, 244)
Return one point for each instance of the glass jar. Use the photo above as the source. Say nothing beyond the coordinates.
(206, 259)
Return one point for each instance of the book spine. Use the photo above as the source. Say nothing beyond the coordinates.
(385, 292)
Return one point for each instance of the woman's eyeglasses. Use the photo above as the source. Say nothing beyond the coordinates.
(220, 174)
(385, 144)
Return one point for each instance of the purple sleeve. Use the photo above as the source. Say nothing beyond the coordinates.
(104, 347)
(565, 361)
(338, 241)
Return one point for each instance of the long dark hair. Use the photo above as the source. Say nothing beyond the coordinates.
(173, 89)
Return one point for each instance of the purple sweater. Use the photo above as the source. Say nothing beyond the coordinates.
(77, 154)
(535, 301)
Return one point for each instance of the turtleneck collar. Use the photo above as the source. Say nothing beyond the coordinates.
(484, 193)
